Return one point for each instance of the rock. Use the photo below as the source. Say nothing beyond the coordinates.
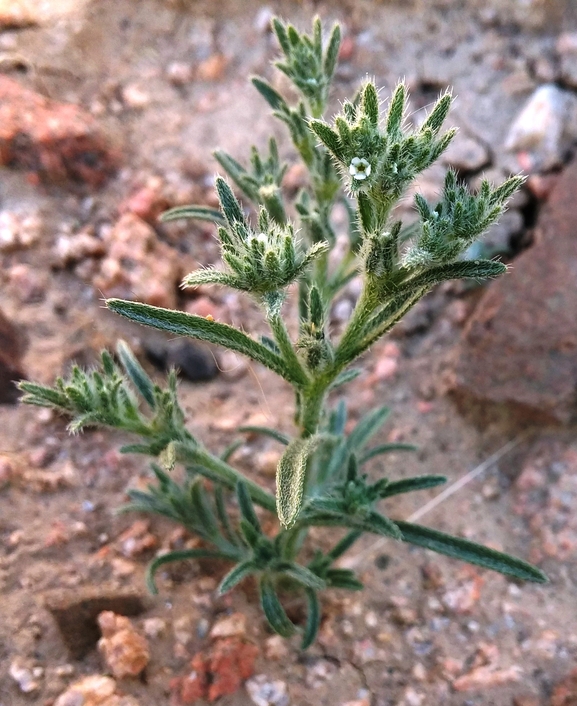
(18, 233)
(25, 675)
(27, 284)
(125, 651)
(539, 128)
(230, 626)
(148, 202)
(219, 671)
(465, 154)
(137, 539)
(518, 349)
(135, 97)
(153, 627)
(265, 692)
(12, 344)
(16, 14)
(193, 362)
(76, 612)
(179, 73)
(212, 68)
(54, 141)
(70, 249)
(567, 51)
(565, 693)
(94, 690)
(138, 265)
(486, 677)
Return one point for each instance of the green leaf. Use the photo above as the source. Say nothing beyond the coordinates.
(136, 373)
(440, 111)
(246, 506)
(367, 427)
(267, 431)
(229, 203)
(200, 213)
(470, 552)
(345, 377)
(332, 53)
(370, 103)
(182, 324)
(178, 556)
(290, 478)
(271, 96)
(313, 619)
(328, 137)
(236, 575)
(472, 269)
(343, 578)
(396, 110)
(384, 449)
(273, 610)
(408, 485)
(230, 449)
(344, 544)
(302, 575)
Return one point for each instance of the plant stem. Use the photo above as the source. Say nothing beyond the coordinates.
(313, 398)
(225, 474)
(285, 345)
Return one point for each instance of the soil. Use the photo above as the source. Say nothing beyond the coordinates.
(426, 630)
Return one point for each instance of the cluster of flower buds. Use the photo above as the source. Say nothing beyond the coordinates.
(260, 262)
(379, 161)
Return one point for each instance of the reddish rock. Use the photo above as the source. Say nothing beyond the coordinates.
(138, 265)
(53, 141)
(11, 351)
(124, 650)
(519, 349)
(565, 693)
(219, 671)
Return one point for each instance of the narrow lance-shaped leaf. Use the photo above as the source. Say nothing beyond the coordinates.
(136, 373)
(179, 556)
(267, 431)
(471, 552)
(236, 575)
(273, 610)
(313, 619)
(408, 485)
(384, 449)
(200, 213)
(182, 324)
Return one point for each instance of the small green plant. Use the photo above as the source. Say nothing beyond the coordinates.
(364, 160)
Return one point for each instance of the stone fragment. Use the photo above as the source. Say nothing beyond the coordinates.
(137, 539)
(193, 362)
(138, 265)
(539, 128)
(94, 690)
(565, 693)
(18, 232)
(16, 14)
(219, 671)
(465, 154)
(76, 612)
(54, 141)
(567, 51)
(518, 349)
(266, 692)
(70, 249)
(147, 202)
(125, 651)
(486, 677)
(12, 344)
(25, 675)
(230, 626)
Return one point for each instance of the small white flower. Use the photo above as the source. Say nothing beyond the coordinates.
(359, 168)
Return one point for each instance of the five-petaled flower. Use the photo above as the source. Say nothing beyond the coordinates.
(359, 168)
